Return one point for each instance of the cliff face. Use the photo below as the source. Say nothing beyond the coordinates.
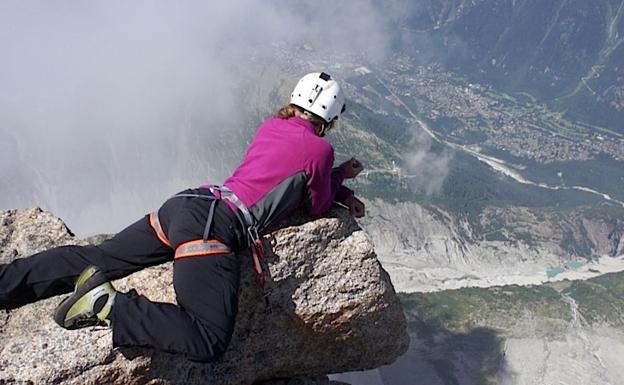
(427, 248)
(332, 308)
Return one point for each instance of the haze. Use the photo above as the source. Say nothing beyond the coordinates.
(107, 108)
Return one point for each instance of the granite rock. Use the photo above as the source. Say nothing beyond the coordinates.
(331, 308)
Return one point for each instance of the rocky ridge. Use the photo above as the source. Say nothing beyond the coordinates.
(332, 308)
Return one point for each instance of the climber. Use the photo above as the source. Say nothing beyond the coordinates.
(287, 165)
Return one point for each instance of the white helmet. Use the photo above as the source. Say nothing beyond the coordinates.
(319, 94)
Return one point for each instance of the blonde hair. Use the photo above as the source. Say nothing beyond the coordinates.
(290, 110)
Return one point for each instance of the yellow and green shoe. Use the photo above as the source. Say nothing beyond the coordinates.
(91, 303)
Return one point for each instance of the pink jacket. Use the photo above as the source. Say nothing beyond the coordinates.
(287, 164)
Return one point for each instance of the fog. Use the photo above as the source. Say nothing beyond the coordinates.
(428, 169)
(107, 108)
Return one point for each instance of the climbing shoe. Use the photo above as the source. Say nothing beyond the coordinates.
(91, 303)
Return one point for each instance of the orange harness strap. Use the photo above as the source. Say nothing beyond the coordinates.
(155, 223)
(201, 247)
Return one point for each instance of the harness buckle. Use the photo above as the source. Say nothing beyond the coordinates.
(253, 234)
(261, 266)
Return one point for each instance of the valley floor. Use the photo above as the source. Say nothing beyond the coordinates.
(411, 279)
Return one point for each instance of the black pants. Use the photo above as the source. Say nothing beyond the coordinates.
(206, 287)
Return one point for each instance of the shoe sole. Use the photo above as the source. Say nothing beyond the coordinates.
(84, 284)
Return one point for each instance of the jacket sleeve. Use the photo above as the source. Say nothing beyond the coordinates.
(324, 183)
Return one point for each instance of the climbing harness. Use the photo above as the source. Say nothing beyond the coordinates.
(207, 246)
(254, 239)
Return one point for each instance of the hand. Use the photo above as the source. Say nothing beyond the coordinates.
(356, 207)
(351, 168)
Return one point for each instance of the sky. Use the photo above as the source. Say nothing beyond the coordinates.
(109, 107)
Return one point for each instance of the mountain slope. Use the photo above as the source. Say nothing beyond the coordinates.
(565, 52)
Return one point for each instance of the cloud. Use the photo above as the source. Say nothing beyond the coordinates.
(428, 169)
(108, 107)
